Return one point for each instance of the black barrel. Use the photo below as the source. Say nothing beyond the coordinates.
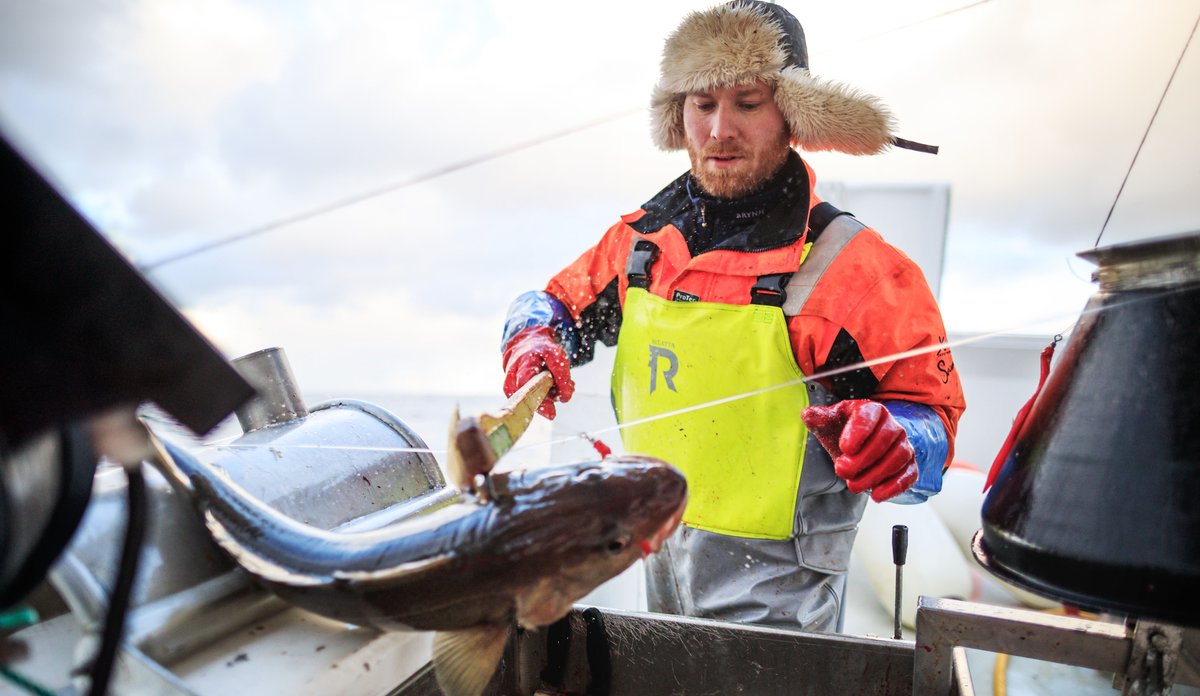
(1098, 503)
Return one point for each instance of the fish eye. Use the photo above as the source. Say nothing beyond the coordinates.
(618, 544)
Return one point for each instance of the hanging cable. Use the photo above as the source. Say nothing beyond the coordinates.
(918, 22)
(390, 188)
(118, 603)
(1149, 125)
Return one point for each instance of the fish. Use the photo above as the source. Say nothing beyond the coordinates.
(539, 541)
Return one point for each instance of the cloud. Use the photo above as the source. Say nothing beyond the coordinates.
(174, 125)
(384, 341)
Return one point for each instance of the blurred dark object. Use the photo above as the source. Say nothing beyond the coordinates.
(81, 332)
(1096, 505)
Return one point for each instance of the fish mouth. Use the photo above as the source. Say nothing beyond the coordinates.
(656, 540)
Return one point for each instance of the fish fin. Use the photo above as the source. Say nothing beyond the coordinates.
(469, 453)
(465, 660)
(543, 603)
(476, 452)
(455, 467)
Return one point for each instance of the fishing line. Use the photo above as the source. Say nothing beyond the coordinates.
(1150, 125)
(592, 435)
(338, 448)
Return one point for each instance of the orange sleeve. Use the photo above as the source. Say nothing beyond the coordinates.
(879, 296)
(578, 285)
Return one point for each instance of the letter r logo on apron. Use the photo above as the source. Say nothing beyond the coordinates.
(668, 372)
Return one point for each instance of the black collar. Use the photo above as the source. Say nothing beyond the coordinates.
(773, 217)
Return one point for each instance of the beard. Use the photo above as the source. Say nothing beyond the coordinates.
(742, 180)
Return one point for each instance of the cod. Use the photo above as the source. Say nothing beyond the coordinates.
(537, 542)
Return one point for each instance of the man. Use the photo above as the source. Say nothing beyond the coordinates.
(735, 281)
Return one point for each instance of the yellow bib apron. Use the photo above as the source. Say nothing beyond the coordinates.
(742, 457)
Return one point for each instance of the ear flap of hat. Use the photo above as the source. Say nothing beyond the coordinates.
(826, 115)
(666, 120)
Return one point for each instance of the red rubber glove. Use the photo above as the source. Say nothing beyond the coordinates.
(530, 351)
(870, 449)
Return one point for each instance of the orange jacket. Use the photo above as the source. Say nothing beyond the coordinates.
(872, 303)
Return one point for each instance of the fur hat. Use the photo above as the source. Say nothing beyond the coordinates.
(747, 40)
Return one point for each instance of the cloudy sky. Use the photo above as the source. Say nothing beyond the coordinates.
(174, 124)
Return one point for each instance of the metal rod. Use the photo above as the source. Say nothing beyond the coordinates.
(899, 555)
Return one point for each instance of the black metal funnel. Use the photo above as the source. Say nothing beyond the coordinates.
(1098, 502)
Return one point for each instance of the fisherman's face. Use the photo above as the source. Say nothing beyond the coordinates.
(737, 138)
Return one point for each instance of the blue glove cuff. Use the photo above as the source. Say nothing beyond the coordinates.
(928, 438)
(538, 308)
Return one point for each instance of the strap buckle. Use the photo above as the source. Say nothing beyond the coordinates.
(770, 290)
(641, 257)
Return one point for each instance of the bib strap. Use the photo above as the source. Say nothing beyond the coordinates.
(833, 238)
(642, 256)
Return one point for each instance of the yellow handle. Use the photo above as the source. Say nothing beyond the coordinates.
(505, 426)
